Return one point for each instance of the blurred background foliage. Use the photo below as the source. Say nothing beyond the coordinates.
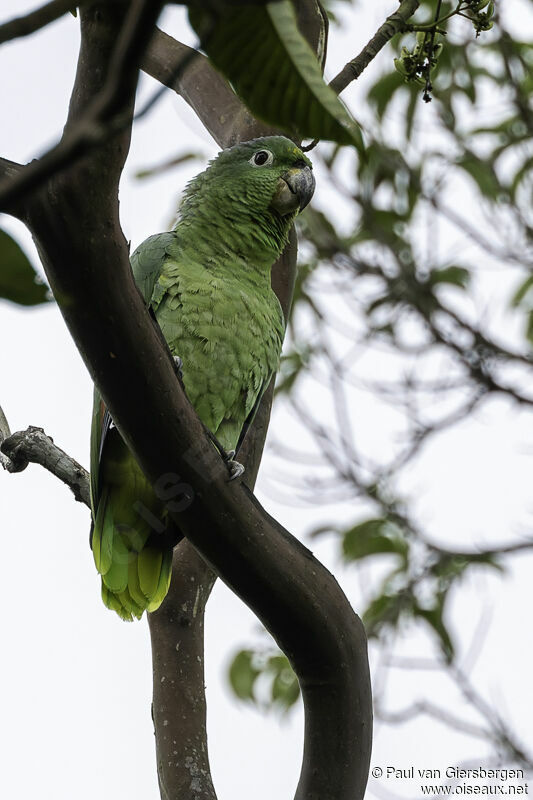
(393, 286)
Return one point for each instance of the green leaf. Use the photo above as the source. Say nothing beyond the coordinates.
(529, 327)
(243, 675)
(522, 291)
(384, 609)
(410, 111)
(320, 231)
(273, 69)
(452, 565)
(19, 282)
(285, 689)
(523, 173)
(483, 174)
(372, 537)
(382, 92)
(292, 366)
(434, 618)
(457, 276)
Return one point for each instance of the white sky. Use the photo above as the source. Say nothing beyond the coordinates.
(75, 681)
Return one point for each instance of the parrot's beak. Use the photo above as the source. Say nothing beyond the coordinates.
(294, 191)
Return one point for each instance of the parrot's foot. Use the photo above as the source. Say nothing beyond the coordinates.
(179, 367)
(235, 468)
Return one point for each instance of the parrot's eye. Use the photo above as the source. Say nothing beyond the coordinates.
(262, 158)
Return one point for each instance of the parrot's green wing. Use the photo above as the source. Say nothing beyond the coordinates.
(101, 420)
(251, 416)
(147, 261)
(133, 558)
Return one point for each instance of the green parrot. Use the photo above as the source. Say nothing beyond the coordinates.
(208, 284)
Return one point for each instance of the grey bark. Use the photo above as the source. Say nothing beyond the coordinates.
(34, 446)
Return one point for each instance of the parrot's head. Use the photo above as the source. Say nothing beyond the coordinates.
(270, 174)
(244, 203)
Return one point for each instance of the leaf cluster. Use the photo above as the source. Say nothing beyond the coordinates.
(419, 584)
(382, 259)
(417, 62)
(264, 679)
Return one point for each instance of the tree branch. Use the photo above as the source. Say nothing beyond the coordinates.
(295, 597)
(9, 169)
(395, 23)
(425, 707)
(293, 594)
(178, 708)
(105, 115)
(35, 20)
(179, 703)
(34, 446)
(4, 434)
(215, 103)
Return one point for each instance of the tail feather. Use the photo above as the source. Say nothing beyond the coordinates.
(130, 605)
(134, 587)
(102, 535)
(135, 572)
(164, 581)
(116, 577)
(113, 602)
(149, 567)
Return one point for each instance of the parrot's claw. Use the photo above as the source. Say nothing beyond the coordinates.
(179, 367)
(235, 468)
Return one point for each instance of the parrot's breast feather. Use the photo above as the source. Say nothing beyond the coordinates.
(227, 327)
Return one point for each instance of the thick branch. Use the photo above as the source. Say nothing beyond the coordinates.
(35, 20)
(395, 23)
(179, 706)
(8, 169)
(106, 114)
(34, 446)
(292, 593)
(203, 88)
(295, 597)
(179, 709)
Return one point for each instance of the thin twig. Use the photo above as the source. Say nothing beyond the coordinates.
(34, 446)
(35, 20)
(4, 434)
(426, 708)
(395, 23)
(500, 732)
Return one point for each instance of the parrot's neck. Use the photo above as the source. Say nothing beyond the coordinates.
(232, 232)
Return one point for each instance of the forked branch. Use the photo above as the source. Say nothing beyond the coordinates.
(296, 598)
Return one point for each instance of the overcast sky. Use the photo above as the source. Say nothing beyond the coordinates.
(75, 681)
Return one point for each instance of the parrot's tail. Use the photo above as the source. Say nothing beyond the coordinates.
(135, 566)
